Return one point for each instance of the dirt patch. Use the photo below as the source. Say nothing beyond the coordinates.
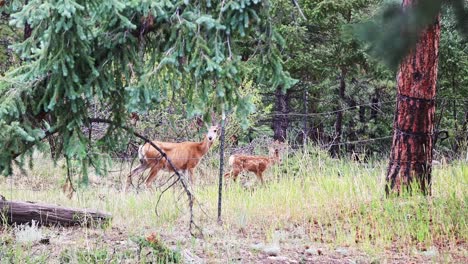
(219, 246)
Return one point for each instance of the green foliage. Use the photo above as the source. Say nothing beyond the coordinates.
(181, 59)
(324, 48)
(123, 57)
(453, 66)
(319, 51)
(84, 256)
(384, 33)
(160, 252)
(11, 253)
(452, 85)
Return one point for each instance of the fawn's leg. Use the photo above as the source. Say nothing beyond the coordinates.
(228, 174)
(235, 173)
(260, 176)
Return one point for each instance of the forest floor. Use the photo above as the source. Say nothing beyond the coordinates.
(320, 211)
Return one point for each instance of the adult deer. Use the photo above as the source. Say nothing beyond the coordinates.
(255, 164)
(185, 157)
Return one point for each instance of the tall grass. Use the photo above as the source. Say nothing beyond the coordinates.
(343, 203)
(334, 202)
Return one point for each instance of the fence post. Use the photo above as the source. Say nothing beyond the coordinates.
(306, 114)
(221, 165)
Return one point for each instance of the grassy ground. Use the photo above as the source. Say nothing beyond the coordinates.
(313, 209)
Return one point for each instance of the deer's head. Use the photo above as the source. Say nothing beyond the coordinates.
(212, 133)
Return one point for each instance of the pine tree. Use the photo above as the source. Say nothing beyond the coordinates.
(412, 148)
(123, 57)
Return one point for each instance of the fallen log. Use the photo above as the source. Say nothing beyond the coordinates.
(17, 212)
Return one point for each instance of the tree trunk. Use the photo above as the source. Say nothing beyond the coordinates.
(281, 119)
(351, 134)
(27, 27)
(374, 106)
(336, 144)
(411, 155)
(46, 214)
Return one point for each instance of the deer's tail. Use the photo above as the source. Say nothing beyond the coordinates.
(141, 154)
(231, 159)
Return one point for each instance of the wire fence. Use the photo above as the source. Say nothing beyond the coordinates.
(130, 155)
(326, 139)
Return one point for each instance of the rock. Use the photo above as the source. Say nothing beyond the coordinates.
(279, 236)
(209, 232)
(314, 251)
(342, 251)
(257, 246)
(189, 257)
(272, 250)
(45, 241)
(430, 252)
(279, 259)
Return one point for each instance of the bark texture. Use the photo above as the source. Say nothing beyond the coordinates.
(27, 27)
(46, 214)
(411, 155)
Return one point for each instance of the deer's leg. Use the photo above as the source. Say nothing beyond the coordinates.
(141, 168)
(152, 176)
(190, 174)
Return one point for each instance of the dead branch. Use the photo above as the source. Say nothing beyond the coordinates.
(190, 196)
(17, 212)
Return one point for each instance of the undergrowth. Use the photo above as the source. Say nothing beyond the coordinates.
(332, 202)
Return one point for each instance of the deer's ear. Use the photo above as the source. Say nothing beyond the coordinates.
(213, 119)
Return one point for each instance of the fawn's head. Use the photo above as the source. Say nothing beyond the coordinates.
(276, 150)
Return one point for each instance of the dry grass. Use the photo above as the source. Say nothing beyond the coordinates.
(311, 201)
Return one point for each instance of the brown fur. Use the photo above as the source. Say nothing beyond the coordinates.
(255, 164)
(185, 157)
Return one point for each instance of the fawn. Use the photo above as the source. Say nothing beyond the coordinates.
(255, 164)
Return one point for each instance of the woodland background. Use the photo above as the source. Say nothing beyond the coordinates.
(343, 98)
(318, 74)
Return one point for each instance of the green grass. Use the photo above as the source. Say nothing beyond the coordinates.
(332, 202)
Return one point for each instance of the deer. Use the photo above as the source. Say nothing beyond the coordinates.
(255, 164)
(185, 157)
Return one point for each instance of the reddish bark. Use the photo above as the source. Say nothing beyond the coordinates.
(411, 155)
